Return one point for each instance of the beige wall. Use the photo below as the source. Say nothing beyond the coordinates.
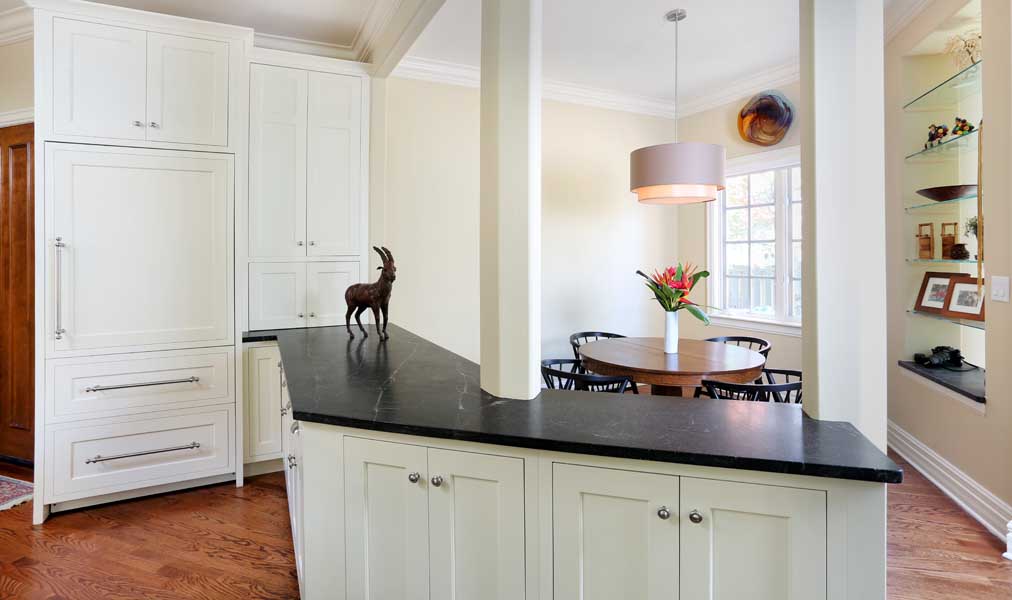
(595, 235)
(978, 444)
(719, 126)
(16, 76)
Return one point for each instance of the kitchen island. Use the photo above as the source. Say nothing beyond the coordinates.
(408, 481)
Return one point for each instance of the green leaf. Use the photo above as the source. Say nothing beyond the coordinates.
(696, 312)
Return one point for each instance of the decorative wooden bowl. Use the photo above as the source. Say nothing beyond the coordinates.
(943, 193)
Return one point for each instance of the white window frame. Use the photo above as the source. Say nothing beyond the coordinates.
(783, 323)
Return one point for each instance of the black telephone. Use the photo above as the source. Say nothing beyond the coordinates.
(941, 357)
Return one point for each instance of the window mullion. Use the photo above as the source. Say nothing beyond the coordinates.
(782, 244)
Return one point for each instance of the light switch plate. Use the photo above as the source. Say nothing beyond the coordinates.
(999, 288)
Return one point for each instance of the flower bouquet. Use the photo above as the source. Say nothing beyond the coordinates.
(671, 288)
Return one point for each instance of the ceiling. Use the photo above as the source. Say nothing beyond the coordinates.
(628, 47)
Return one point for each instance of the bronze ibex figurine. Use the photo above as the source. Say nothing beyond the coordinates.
(372, 295)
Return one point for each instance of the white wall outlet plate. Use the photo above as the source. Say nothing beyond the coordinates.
(999, 288)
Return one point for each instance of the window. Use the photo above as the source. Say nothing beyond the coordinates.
(755, 241)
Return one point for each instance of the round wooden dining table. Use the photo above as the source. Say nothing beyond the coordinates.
(643, 360)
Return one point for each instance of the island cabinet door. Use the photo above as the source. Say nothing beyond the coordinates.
(615, 534)
(752, 541)
(476, 526)
(386, 520)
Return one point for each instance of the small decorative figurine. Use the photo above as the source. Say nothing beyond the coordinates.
(936, 133)
(962, 127)
(372, 295)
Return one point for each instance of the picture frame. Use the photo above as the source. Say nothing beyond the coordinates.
(965, 300)
(934, 294)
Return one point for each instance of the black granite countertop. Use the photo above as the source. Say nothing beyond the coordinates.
(409, 385)
(966, 383)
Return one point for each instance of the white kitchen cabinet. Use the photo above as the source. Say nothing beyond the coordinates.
(386, 520)
(296, 496)
(760, 542)
(187, 95)
(139, 249)
(277, 295)
(326, 283)
(334, 165)
(278, 108)
(262, 391)
(615, 534)
(130, 84)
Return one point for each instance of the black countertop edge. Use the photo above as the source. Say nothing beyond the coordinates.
(967, 383)
(702, 460)
(248, 337)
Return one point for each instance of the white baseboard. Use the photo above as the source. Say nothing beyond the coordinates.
(17, 117)
(991, 511)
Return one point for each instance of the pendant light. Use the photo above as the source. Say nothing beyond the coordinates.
(679, 172)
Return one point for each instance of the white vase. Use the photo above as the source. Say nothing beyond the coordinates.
(671, 332)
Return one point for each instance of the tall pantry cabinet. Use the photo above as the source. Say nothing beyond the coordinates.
(140, 137)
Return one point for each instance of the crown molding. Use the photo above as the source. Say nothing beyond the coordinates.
(300, 46)
(897, 19)
(16, 25)
(378, 19)
(439, 71)
(17, 117)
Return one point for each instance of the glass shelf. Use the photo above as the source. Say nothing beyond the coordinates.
(950, 92)
(950, 148)
(961, 322)
(943, 203)
(968, 261)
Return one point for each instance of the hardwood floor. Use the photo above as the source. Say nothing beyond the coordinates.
(222, 542)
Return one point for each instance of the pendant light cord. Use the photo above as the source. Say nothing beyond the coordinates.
(676, 81)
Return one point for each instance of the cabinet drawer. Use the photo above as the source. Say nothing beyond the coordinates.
(136, 453)
(115, 385)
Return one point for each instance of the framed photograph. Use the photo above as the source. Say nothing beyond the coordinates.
(934, 292)
(965, 300)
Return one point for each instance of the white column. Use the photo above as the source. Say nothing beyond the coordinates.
(843, 164)
(511, 197)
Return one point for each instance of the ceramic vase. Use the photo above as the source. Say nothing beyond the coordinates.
(671, 332)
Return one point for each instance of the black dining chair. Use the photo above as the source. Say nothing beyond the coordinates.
(582, 337)
(569, 374)
(788, 391)
(742, 341)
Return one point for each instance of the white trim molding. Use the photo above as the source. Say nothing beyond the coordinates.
(991, 511)
(900, 14)
(17, 117)
(16, 25)
(742, 87)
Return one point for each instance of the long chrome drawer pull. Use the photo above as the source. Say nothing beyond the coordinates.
(99, 458)
(295, 427)
(59, 288)
(105, 388)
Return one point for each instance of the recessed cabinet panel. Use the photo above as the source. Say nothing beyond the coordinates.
(334, 164)
(615, 534)
(144, 257)
(386, 521)
(476, 526)
(99, 75)
(277, 161)
(327, 282)
(752, 541)
(263, 403)
(187, 97)
(277, 295)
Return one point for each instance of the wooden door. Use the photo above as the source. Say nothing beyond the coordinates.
(386, 521)
(752, 541)
(140, 248)
(616, 534)
(277, 295)
(187, 90)
(263, 403)
(99, 74)
(326, 283)
(476, 526)
(277, 162)
(333, 172)
(17, 292)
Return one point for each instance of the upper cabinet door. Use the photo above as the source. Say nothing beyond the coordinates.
(386, 521)
(144, 259)
(277, 161)
(277, 295)
(476, 526)
(187, 91)
(615, 534)
(326, 283)
(98, 80)
(760, 542)
(334, 167)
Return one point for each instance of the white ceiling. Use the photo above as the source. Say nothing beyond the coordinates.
(6, 5)
(627, 46)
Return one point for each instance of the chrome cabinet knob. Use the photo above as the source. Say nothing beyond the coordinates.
(437, 481)
(664, 513)
(414, 477)
(138, 124)
(695, 517)
(284, 411)
(312, 315)
(153, 124)
(291, 461)
(302, 316)
(312, 243)
(299, 243)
